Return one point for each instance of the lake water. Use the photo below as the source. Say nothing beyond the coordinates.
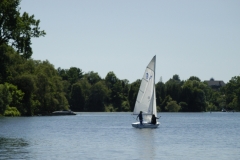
(181, 136)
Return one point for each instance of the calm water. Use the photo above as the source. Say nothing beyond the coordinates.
(181, 136)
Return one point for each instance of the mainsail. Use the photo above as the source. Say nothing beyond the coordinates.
(146, 99)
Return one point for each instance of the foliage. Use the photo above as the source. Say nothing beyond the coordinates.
(50, 88)
(211, 107)
(132, 94)
(26, 83)
(110, 79)
(193, 93)
(172, 106)
(173, 88)
(42, 89)
(160, 94)
(125, 87)
(183, 105)
(93, 77)
(77, 100)
(16, 96)
(192, 78)
(110, 108)
(166, 100)
(9, 96)
(5, 98)
(95, 101)
(4, 60)
(232, 94)
(36, 87)
(17, 30)
(12, 111)
(125, 106)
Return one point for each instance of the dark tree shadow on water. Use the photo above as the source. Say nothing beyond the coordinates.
(13, 148)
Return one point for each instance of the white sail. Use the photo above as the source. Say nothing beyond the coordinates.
(146, 99)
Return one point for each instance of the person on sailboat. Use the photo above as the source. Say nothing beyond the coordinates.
(140, 117)
(154, 119)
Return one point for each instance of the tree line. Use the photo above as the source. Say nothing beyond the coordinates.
(31, 87)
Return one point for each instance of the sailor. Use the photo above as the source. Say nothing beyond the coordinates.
(140, 117)
(154, 121)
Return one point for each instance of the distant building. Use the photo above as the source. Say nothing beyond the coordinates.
(216, 85)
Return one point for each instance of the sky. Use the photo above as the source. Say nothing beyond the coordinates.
(188, 37)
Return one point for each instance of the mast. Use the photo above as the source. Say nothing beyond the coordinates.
(154, 90)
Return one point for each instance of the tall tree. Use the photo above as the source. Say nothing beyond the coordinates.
(193, 94)
(93, 77)
(110, 79)
(77, 99)
(5, 98)
(16, 29)
(160, 94)
(232, 93)
(49, 90)
(27, 84)
(74, 74)
(95, 101)
(194, 78)
(173, 89)
(133, 92)
(125, 87)
(5, 60)
(16, 96)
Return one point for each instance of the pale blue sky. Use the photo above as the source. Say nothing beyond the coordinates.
(189, 37)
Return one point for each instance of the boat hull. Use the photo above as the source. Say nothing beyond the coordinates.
(62, 113)
(145, 125)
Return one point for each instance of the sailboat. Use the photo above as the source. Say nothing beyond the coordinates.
(146, 98)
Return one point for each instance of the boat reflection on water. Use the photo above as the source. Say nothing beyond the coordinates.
(62, 113)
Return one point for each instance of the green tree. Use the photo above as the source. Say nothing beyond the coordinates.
(50, 89)
(4, 61)
(133, 92)
(5, 98)
(172, 106)
(16, 96)
(165, 102)
(193, 93)
(85, 87)
(232, 93)
(77, 101)
(183, 105)
(27, 84)
(110, 79)
(16, 29)
(216, 101)
(173, 88)
(74, 74)
(125, 106)
(117, 91)
(11, 64)
(96, 99)
(125, 87)
(176, 78)
(93, 77)
(194, 78)
(116, 95)
(62, 73)
(160, 94)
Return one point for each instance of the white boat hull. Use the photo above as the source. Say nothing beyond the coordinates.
(61, 113)
(145, 125)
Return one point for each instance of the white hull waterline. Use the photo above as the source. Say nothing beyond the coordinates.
(62, 113)
(145, 125)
